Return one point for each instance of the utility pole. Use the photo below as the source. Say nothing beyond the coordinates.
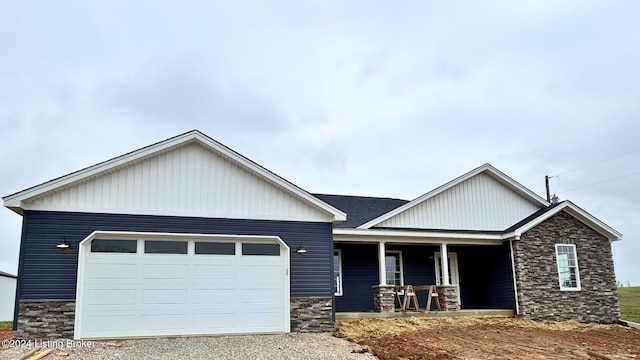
(546, 185)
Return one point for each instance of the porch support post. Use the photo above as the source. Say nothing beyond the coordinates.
(444, 263)
(381, 263)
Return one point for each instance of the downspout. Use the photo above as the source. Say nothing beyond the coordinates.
(513, 269)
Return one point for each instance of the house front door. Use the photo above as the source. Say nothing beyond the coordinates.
(453, 270)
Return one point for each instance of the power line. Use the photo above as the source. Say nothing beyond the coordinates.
(601, 182)
(597, 162)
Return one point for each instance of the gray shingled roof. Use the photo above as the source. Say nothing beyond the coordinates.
(360, 209)
(531, 217)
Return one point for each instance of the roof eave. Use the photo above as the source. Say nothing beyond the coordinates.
(574, 210)
(16, 198)
(15, 201)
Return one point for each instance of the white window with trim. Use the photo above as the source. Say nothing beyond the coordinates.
(337, 272)
(393, 267)
(568, 271)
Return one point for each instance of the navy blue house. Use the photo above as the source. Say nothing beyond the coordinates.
(188, 237)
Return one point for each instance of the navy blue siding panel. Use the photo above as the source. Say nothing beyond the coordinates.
(485, 274)
(418, 267)
(486, 278)
(359, 274)
(47, 273)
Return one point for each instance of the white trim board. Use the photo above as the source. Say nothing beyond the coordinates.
(487, 169)
(16, 201)
(399, 252)
(575, 211)
(414, 237)
(338, 290)
(436, 237)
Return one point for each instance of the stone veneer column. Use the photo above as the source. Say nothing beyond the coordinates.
(45, 319)
(539, 294)
(311, 314)
(384, 298)
(448, 295)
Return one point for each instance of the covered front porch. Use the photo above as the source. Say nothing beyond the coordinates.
(473, 273)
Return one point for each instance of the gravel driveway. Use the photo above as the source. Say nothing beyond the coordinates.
(285, 346)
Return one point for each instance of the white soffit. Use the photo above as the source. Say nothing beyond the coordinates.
(521, 200)
(187, 175)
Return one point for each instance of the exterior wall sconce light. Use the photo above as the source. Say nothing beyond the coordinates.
(301, 250)
(63, 245)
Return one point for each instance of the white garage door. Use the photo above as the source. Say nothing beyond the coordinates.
(167, 285)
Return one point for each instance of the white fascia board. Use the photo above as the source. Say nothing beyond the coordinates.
(15, 201)
(417, 237)
(579, 214)
(337, 214)
(161, 212)
(495, 173)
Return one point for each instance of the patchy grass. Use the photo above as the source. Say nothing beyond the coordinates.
(482, 338)
(630, 303)
(6, 325)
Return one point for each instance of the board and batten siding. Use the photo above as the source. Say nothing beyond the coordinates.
(48, 273)
(189, 180)
(7, 297)
(479, 203)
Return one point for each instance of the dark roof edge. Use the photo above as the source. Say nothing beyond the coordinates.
(7, 275)
(101, 163)
(531, 217)
(361, 197)
(479, 232)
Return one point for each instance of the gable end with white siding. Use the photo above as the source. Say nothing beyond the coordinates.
(189, 175)
(482, 200)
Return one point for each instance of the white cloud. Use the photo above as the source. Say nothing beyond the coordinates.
(369, 98)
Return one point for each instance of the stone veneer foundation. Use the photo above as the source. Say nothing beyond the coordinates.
(384, 299)
(539, 294)
(448, 295)
(54, 319)
(45, 319)
(311, 314)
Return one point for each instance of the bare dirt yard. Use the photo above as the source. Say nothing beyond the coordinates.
(5, 330)
(470, 338)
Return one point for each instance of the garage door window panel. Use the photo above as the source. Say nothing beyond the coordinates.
(215, 248)
(165, 247)
(261, 249)
(114, 246)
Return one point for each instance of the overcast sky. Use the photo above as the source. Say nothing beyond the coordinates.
(368, 97)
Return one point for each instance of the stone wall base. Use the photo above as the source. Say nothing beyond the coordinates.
(448, 295)
(54, 319)
(45, 319)
(384, 298)
(311, 314)
(539, 294)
